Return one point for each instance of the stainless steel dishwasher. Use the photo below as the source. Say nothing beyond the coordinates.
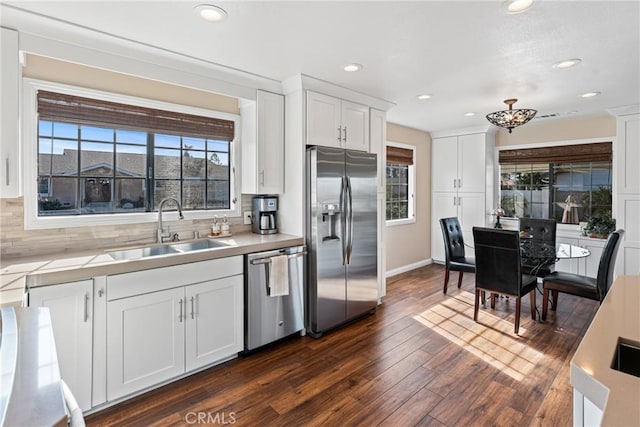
(269, 318)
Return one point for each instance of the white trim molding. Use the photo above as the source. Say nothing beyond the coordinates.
(408, 267)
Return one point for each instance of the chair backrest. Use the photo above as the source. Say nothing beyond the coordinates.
(539, 229)
(453, 239)
(498, 263)
(607, 263)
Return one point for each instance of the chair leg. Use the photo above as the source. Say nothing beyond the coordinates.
(545, 303)
(484, 299)
(554, 301)
(460, 280)
(532, 298)
(517, 321)
(446, 280)
(494, 297)
(476, 306)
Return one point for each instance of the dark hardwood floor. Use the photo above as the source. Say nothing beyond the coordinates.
(419, 360)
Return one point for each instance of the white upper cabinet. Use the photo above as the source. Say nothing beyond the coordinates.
(333, 122)
(263, 144)
(628, 147)
(459, 163)
(445, 164)
(9, 105)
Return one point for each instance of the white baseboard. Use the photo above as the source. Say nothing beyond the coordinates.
(408, 267)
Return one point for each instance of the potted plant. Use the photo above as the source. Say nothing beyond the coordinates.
(600, 225)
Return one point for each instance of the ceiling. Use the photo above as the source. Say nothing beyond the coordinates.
(469, 55)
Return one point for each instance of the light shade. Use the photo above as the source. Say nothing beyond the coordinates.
(511, 118)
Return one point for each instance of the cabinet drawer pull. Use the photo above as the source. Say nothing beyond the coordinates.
(6, 169)
(345, 134)
(455, 185)
(339, 133)
(192, 307)
(180, 315)
(86, 307)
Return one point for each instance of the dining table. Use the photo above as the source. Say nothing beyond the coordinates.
(543, 253)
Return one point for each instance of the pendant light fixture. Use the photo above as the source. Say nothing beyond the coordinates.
(511, 118)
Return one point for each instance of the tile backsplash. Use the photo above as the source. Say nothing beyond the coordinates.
(16, 242)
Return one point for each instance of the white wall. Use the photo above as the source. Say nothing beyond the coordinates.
(409, 245)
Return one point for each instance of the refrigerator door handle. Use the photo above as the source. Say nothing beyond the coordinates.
(343, 219)
(349, 221)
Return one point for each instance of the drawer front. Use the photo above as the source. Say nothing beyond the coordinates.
(157, 279)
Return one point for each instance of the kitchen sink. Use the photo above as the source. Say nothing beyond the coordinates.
(176, 248)
(137, 253)
(627, 357)
(199, 245)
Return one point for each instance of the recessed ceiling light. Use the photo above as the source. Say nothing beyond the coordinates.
(517, 6)
(590, 94)
(211, 13)
(469, 114)
(567, 63)
(352, 67)
(424, 96)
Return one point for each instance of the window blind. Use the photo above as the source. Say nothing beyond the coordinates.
(600, 151)
(75, 109)
(399, 156)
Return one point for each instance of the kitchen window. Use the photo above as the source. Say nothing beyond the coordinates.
(400, 183)
(567, 183)
(101, 155)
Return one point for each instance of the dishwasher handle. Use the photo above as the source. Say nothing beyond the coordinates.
(267, 260)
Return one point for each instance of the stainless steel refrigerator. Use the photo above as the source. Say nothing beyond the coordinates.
(341, 236)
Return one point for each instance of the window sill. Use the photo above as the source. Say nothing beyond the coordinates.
(395, 222)
(72, 221)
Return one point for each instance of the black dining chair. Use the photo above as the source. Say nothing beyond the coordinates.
(583, 286)
(499, 269)
(455, 258)
(543, 230)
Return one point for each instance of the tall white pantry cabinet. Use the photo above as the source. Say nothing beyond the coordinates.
(462, 176)
(626, 167)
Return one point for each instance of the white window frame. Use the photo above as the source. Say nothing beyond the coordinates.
(30, 159)
(411, 209)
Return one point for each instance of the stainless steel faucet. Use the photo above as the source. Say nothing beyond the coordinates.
(161, 234)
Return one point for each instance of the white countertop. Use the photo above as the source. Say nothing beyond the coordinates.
(616, 393)
(17, 275)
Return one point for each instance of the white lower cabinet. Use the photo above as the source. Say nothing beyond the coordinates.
(71, 309)
(214, 325)
(164, 322)
(470, 209)
(145, 341)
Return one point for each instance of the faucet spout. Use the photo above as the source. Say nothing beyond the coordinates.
(161, 233)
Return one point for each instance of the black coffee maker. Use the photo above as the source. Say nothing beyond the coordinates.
(264, 215)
